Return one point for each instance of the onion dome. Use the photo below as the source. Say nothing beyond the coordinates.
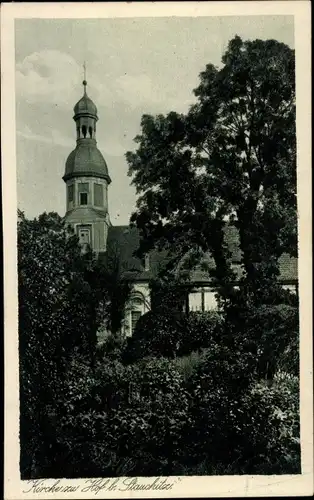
(86, 161)
(85, 105)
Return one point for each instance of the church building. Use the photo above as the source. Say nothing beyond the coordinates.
(87, 182)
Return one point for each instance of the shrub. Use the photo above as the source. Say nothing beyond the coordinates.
(272, 430)
(188, 364)
(112, 347)
(157, 334)
(202, 329)
(289, 361)
(270, 333)
(237, 428)
(138, 432)
(166, 333)
(191, 415)
(80, 422)
(276, 331)
(153, 421)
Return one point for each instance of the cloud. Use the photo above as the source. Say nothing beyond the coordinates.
(53, 136)
(47, 76)
(51, 76)
(48, 83)
(55, 77)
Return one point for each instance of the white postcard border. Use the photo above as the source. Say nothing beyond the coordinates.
(216, 486)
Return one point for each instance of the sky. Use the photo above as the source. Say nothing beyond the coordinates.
(135, 66)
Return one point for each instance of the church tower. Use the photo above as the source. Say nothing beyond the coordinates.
(87, 179)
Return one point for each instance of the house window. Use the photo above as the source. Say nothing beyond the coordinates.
(202, 300)
(135, 316)
(196, 301)
(210, 300)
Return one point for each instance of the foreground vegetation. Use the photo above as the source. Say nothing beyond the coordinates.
(182, 397)
(198, 393)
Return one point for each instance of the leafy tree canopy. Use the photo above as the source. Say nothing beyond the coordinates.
(230, 159)
(64, 298)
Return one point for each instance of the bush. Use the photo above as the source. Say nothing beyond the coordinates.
(154, 420)
(275, 330)
(270, 333)
(157, 334)
(112, 347)
(238, 425)
(272, 431)
(122, 421)
(203, 328)
(208, 412)
(169, 334)
(199, 414)
(187, 365)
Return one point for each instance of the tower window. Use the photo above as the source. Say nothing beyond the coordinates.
(90, 131)
(84, 235)
(84, 131)
(98, 195)
(70, 193)
(83, 190)
(83, 198)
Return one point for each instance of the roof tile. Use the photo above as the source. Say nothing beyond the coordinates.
(127, 239)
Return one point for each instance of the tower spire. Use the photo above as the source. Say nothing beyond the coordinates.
(84, 81)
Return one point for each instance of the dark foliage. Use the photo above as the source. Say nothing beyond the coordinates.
(64, 298)
(232, 158)
(203, 329)
(157, 334)
(203, 393)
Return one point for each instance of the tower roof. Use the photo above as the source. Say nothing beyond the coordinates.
(85, 105)
(86, 161)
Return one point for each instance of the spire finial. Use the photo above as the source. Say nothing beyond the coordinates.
(84, 81)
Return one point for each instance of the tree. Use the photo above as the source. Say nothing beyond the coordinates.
(230, 160)
(118, 286)
(62, 303)
(65, 296)
(53, 324)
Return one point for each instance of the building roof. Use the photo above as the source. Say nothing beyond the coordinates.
(86, 160)
(126, 240)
